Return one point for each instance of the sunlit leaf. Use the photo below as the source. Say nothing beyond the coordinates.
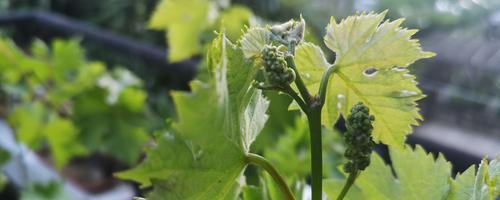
(184, 21)
(234, 19)
(206, 161)
(418, 175)
(372, 57)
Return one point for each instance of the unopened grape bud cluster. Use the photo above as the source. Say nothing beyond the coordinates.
(276, 70)
(358, 138)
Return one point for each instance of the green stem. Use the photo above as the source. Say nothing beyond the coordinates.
(350, 181)
(298, 80)
(289, 90)
(324, 83)
(262, 162)
(314, 118)
(313, 112)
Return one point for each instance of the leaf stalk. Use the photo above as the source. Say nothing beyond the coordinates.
(324, 83)
(298, 80)
(280, 181)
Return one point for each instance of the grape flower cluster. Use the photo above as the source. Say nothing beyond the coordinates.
(358, 138)
(276, 70)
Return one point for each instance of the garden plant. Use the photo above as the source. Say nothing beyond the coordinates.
(207, 148)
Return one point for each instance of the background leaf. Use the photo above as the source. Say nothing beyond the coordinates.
(185, 20)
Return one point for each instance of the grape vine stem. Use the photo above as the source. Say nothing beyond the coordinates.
(314, 119)
(298, 80)
(350, 181)
(280, 181)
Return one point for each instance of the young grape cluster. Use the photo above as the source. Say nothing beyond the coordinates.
(358, 138)
(277, 72)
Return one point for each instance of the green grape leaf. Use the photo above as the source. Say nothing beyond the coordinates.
(476, 186)
(253, 41)
(206, 160)
(311, 64)
(420, 176)
(184, 21)
(62, 136)
(371, 67)
(494, 175)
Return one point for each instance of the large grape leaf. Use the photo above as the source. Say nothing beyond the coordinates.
(204, 156)
(371, 63)
(372, 60)
(184, 21)
(417, 175)
(311, 64)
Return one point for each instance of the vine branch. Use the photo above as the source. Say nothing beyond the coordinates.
(262, 162)
(289, 90)
(314, 119)
(324, 83)
(298, 79)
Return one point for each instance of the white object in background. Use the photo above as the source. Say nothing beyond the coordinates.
(307, 193)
